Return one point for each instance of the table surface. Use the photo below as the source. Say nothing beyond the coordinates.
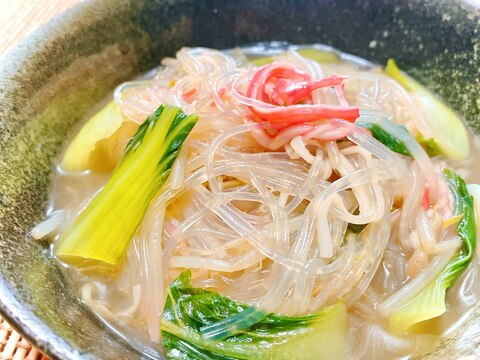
(18, 19)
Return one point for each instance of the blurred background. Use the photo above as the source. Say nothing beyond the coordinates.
(18, 18)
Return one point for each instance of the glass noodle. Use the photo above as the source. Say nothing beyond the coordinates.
(286, 218)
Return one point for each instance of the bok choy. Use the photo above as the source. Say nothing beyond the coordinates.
(99, 236)
(386, 138)
(96, 145)
(188, 309)
(448, 132)
(396, 137)
(430, 302)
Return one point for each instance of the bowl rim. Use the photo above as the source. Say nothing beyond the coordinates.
(12, 309)
(22, 318)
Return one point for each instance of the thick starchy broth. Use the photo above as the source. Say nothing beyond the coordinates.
(360, 239)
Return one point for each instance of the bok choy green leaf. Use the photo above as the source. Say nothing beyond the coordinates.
(396, 137)
(387, 139)
(188, 309)
(430, 302)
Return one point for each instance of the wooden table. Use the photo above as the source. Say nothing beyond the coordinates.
(18, 19)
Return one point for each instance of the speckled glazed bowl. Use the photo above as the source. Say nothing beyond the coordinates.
(56, 75)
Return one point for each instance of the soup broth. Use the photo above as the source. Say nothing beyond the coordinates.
(273, 211)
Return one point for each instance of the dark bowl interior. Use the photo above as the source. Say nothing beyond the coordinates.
(52, 79)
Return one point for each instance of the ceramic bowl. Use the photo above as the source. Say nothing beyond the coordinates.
(55, 76)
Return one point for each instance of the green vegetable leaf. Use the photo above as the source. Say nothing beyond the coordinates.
(430, 302)
(188, 309)
(99, 236)
(394, 143)
(385, 137)
(466, 229)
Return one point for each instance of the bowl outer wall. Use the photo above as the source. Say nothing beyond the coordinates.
(54, 77)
